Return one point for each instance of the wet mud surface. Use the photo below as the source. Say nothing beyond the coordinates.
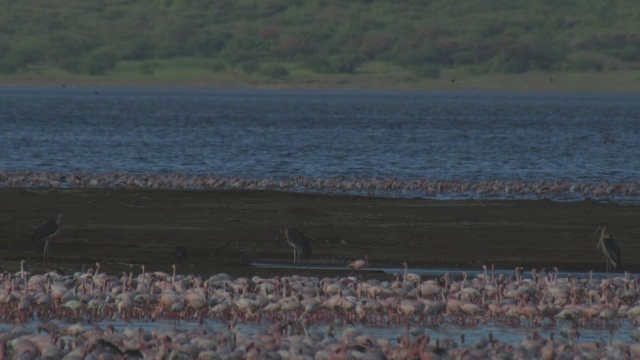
(226, 231)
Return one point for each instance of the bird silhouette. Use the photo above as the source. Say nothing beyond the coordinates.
(46, 231)
(300, 242)
(180, 254)
(609, 248)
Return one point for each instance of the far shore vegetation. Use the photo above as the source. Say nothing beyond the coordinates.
(589, 45)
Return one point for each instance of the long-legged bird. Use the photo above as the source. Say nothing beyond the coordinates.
(357, 265)
(46, 231)
(300, 242)
(180, 254)
(609, 248)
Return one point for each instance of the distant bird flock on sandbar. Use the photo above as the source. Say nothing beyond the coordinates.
(369, 186)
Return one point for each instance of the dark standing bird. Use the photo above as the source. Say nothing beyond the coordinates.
(47, 231)
(609, 248)
(300, 242)
(180, 253)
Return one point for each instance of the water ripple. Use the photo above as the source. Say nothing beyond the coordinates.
(582, 138)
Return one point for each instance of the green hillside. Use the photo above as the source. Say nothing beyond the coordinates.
(295, 40)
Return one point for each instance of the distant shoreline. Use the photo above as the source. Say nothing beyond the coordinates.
(592, 82)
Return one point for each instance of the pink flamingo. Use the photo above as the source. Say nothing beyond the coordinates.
(358, 265)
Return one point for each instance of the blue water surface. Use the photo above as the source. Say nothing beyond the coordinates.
(268, 133)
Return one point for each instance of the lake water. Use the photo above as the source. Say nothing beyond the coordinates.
(264, 134)
(511, 335)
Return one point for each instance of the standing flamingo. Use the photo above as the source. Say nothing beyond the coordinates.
(358, 265)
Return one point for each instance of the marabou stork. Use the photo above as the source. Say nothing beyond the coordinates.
(609, 248)
(300, 242)
(46, 231)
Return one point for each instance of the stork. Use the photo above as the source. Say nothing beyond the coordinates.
(300, 242)
(609, 248)
(180, 254)
(46, 231)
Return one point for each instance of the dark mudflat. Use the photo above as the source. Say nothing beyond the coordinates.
(225, 231)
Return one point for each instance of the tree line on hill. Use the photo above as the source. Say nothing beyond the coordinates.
(324, 36)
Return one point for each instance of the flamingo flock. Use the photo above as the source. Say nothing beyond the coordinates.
(516, 189)
(294, 307)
